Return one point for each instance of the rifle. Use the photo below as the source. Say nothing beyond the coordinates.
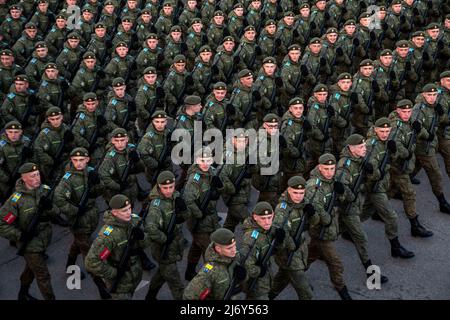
(163, 155)
(169, 232)
(411, 142)
(298, 144)
(432, 129)
(60, 150)
(27, 114)
(237, 183)
(248, 111)
(326, 128)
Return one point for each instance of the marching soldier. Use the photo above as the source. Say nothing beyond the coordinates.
(43, 17)
(24, 47)
(248, 49)
(443, 131)
(8, 69)
(203, 71)
(218, 112)
(35, 68)
(216, 31)
(165, 21)
(69, 58)
(121, 64)
(151, 55)
(99, 43)
(11, 28)
(57, 35)
(270, 85)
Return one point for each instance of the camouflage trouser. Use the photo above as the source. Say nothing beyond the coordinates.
(402, 183)
(200, 242)
(431, 166)
(236, 214)
(269, 196)
(36, 267)
(378, 202)
(168, 273)
(444, 150)
(352, 224)
(80, 245)
(325, 250)
(298, 280)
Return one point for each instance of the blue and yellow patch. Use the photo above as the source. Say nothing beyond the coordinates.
(207, 267)
(67, 175)
(108, 230)
(283, 205)
(16, 197)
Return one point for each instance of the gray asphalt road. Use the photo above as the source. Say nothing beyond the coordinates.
(426, 276)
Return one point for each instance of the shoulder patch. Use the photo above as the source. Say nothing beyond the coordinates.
(348, 162)
(113, 102)
(9, 218)
(2, 143)
(67, 175)
(283, 205)
(112, 153)
(46, 130)
(197, 177)
(108, 230)
(316, 106)
(44, 83)
(33, 61)
(156, 202)
(105, 254)
(208, 267)
(82, 115)
(145, 88)
(183, 118)
(16, 197)
(255, 234)
(11, 95)
(337, 95)
(289, 123)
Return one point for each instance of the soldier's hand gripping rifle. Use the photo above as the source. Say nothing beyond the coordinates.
(416, 127)
(431, 131)
(68, 135)
(300, 140)
(326, 126)
(180, 205)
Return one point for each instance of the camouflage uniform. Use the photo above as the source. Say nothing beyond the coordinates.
(35, 69)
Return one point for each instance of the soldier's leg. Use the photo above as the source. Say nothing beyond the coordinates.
(353, 226)
(432, 169)
(403, 182)
(382, 206)
(279, 282)
(444, 149)
(156, 283)
(368, 209)
(171, 275)
(314, 252)
(36, 263)
(121, 296)
(334, 264)
(200, 241)
(300, 283)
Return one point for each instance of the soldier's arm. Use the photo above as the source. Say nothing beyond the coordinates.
(288, 87)
(106, 172)
(253, 270)
(146, 150)
(154, 224)
(96, 259)
(5, 110)
(225, 175)
(4, 175)
(110, 72)
(338, 120)
(314, 119)
(191, 195)
(79, 131)
(289, 134)
(63, 193)
(168, 89)
(9, 220)
(41, 146)
(18, 50)
(198, 286)
(348, 195)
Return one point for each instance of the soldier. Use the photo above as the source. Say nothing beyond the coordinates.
(403, 62)
(35, 68)
(166, 213)
(386, 78)
(51, 90)
(218, 112)
(121, 64)
(126, 34)
(57, 35)
(203, 71)
(8, 69)
(329, 44)
(227, 61)
(316, 62)
(131, 9)
(144, 25)
(174, 46)
(443, 132)
(106, 252)
(408, 132)
(52, 145)
(349, 49)
(15, 149)
(86, 24)
(254, 16)
(151, 55)
(302, 25)
(321, 18)
(99, 42)
(259, 235)
(285, 32)
(248, 49)
(201, 178)
(195, 38)
(208, 10)
(377, 184)
(152, 145)
(69, 58)
(11, 28)
(120, 166)
(216, 31)
(189, 12)
(294, 128)
(30, 198)
(108, 17)
(270, 85)
(75, 196)
(323, 226)
(367, 37)
(290, 209)
(222, 269)
(269, 179)
(236, 21)
(353, 167)
(425, 111)
(24, 46)
(165, 21)
(43, 17)
(267, 40)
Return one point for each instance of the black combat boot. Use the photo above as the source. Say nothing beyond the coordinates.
(24, 295)
(102, 290)
(147, 264)
(417, 230)
(367, 264)
(151, 294)
(73, 261)
(345, 235)
(376, 217)
(343, 293)
(190, 271)
(398, 251)
(444, 206)
(414, 180)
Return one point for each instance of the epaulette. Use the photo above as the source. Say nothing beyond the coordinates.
(131, 145)
(2, 143)
(347, 162)
(113, 102)
(288, 64)
(207, 267)
(283, 205)
(8, 19)
(119, 33)
(82, 70)
(191, 35)
(82, 115)
(112, 153)
(264, 38)
(255, 234)
(65, 50)
(16, 196)
(46, 187)
(172, 73)
(67, 175)
(196, 177)
(11, 95)
(90, 169)
(134, 215)
(183, 118)
(337, 95)
(117, 59)
(108, 230)
(33, 61)
(238, 90)
(150, 134)
(145, 88)
(200, 65)
(46, 130)
(53, 30)
(316, 106)
(145, 49)
(290, 122)
(262, 78)
(44, 83)
(156, 202)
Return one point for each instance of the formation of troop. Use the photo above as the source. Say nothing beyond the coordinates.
(355, 94)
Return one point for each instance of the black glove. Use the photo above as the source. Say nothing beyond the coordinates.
(439, 109)
(101, 74)
(101, 121)
(93, 178)
(408, 66)
(68, 136)
(137, 233)
(263, 16)
(27, 152)
(278, 82)
(295, 33)
(416, 11)
(263, 271)
(180, 205)
(304, 70)
(240, 273)
(375, 86)
(279, 235)
(312, 25)
(306, 125)
(356, 42)
(134, 156)
(373, 36)
(215, 70)
(46, 204)
(64, 84)
(339, 187)
(426, 56)
(236, 60)
(326, 15)
(108, 43)
(330, 111)
(34, 99)
(392, 75)
(384, 26)
(189, 79)
(323, 61)
(231, 110)
(278, 41)
(368, 167)
(216, 182)
(410, 155)
(256, 95)
(309, 209)
(204, 39)
(354, 97)
(258, 50)
(339, 51)
(440, 44)
(417, 126)
(392, 146)
(402, 19)
(430, 137)
(282, 141)
(430, 4)
(160, 93)
(183, 47)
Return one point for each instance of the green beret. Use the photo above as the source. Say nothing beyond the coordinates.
(179, 58)
(192, 100)
(175, 28)
(296, 100)
(364, 15)
(61, 15)
(315, 41)
(152, 36)
(418, 34)
(396, 2)
(219, 13)
(432, 26)
(90, 96)
(320, 88)
(167, 3)
(109, 3)
(297, 182)
(345, 76)
(150, 70)
(220, 86)
(51, 65)
(165, 177)
(119, 201)
(350, 22)
(118, 82)
(79, 152)
(13, 125)
(204, 48)
(271, 117)
(6, 52)
(240, 133)
(263, 208)
(354, 140)
(160, 114)
(402, 44)
(222, 236)
(100, 25)
(294, 47)
(28, 167)
(332, 30)
(289, 14)
(121, 44)
(119, 133)
(366, 63)
(146, 11)
(30, 25)
(327, 158)
(196, 20)
(73, 35)
(386, 52)
(249, 28)
(228, 38)
(238, 5)
(53, 112)
(269, 60)
(204, 152)
(89, 55)
(405, 104)
(445, 74)
(383, 123)
(245, 73)
(430, 87)
(21, 77)
(40, 44)
(126, 19)
(382, 8)
(87, 9)
(304, 5)
(270, 22)
(15, 7)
